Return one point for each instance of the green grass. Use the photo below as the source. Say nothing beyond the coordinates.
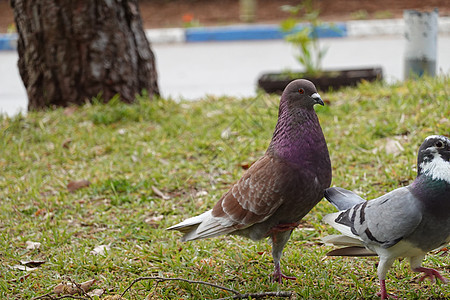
(192, 152)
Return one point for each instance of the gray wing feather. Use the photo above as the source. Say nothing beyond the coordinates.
(341, 198)
(388, 219)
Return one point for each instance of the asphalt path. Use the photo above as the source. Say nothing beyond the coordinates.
(194, 70)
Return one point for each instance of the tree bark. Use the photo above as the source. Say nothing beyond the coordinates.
(72, 51)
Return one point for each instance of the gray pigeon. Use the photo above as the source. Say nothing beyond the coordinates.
(280, 188)
(407, 222)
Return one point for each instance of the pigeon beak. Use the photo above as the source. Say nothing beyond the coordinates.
(317, 99)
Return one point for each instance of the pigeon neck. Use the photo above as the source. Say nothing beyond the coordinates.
(297, 136)
(428, 183)
(432, 193)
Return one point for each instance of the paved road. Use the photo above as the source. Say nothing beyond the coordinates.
(192, 70)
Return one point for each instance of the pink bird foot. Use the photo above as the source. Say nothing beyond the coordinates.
(383, 293)
(430, 273)
(278, 276)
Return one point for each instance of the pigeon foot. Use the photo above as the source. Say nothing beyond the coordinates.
(383, 293)
(430, 273)
(386, 295)
(278, 277)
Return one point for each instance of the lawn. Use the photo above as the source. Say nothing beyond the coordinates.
(155, 163)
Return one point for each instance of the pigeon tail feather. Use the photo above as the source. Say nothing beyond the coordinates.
(201, 227)
(341, 198)
(356, 251)
(342, 240)
(346, 230)
(211, 227)
(194, 235)
(190, 224)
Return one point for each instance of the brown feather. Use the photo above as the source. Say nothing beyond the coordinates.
(258, 194)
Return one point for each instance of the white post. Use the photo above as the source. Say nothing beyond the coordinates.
(421, 31)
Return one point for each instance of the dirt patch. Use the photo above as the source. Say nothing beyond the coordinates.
(178, 13)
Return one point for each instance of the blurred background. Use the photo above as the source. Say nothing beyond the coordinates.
(250, 45)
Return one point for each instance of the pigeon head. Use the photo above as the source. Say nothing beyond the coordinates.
(300, 93)
(434, 158)
(298, 134)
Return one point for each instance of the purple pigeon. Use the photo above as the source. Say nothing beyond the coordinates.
(279, 189)
(406, 222)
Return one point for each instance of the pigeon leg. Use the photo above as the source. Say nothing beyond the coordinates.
(383, 293)
(383, 267)
(279, 240)
(430, 273)
(278, 276)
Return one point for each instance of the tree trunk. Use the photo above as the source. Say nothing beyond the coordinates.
(71, 51)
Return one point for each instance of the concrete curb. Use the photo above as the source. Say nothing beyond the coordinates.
(256, 32)
(8, 41)
(262, 32)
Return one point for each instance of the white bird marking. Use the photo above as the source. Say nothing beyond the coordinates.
(439, 137)
(437, 168)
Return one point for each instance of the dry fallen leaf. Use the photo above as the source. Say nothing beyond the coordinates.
(114, 297)
(87, 284)
(66, 143)
(201, 194)
(76, 185)
(32, 245)
(153, 220)
(100, 250)
(393, 147)
(69, 288)
(96, 292)
(159, 193)
(40, 211)
(70, 110)
(22, 268)
(28, 265)
(64, 288)
(32, 263)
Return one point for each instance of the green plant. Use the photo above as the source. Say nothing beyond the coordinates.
(11, 28)
(306, 40)
(361, 14)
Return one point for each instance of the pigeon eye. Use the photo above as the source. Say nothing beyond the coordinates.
(439, 144)
(301, 91)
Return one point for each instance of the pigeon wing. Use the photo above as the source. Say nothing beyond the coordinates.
(383, 221)
(253, 199)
